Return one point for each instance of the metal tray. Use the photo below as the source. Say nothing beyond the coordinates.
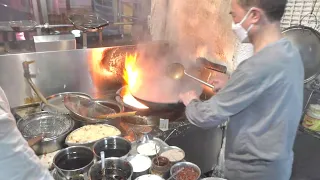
(24, 110)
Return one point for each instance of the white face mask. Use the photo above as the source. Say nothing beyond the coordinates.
(240, 32)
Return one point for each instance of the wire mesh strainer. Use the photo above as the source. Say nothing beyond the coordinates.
(52, 125)
(87, 110)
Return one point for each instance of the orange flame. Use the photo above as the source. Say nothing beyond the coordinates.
(96, 57)
(131, 75)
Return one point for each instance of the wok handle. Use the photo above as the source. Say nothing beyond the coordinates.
(199, 80)
(116, 115)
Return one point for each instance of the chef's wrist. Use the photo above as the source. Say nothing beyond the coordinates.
(195, 100)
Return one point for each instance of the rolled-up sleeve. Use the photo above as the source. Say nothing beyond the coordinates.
(241, 90)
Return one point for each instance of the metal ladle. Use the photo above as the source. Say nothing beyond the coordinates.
(103, 169)
(176, 71)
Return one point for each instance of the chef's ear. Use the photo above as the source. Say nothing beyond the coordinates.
(256, 15)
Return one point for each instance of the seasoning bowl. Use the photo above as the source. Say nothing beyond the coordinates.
(149, 177)
(115, 168)
(180, 165)
(173, 153)
(150, 148)
(113, 147)
(73, 161)
(141, 165)
(160, 166)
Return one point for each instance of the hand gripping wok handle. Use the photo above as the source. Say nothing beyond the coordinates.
(116, 115)
(203, 82)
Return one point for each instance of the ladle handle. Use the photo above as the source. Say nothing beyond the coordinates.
(116, 115)
(35, 140)
(203, 82)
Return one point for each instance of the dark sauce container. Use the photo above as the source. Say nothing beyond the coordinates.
(73, 161)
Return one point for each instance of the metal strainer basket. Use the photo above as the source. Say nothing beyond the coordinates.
(87, 110)
(52, 125)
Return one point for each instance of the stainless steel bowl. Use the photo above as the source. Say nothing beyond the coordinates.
(149, 177)
(113, 147)
(57, 100)
(164, 149)
(139, 123)
(89, 143)
(115, 168)
(139, 160)
(73, 161)
(86, 110)
(180, 165)
(54, 126)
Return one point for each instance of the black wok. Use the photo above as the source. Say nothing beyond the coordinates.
(154, 107)
(163, 107)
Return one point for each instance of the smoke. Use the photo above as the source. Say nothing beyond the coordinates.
(192, 28)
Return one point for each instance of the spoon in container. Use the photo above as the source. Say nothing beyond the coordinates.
(103, 169)
(175, 174)
(176, 71)
(169, 135)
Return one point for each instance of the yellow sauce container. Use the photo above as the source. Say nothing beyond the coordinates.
(311, 121)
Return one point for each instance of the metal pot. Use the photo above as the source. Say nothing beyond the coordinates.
(73, 161)
(113, 147)
(307, 41)
(114, 167)
(55, 128)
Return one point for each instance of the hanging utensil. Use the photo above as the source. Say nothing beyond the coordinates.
(176, 71)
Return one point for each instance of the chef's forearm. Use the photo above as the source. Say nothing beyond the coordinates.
(203, 114)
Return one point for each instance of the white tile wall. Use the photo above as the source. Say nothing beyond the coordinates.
(297, 9)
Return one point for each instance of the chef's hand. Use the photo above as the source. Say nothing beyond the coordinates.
(219, 80)
(187, 97)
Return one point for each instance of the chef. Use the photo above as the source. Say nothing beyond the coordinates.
(17, 159)
(263, 98)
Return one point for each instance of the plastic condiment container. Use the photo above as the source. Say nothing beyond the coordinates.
(315, 108)
(311, 120)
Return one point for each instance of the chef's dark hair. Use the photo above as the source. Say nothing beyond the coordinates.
(274, 9)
